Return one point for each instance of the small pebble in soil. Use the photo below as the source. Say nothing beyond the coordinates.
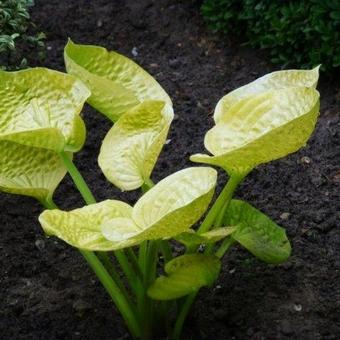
(232, 271)
(297, 307)
(49, 48)
(99, 23)
(285, 216)
(40, 244)
(305, 160)
(134, 51)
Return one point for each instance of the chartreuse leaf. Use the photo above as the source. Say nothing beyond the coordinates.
(29, 171)
(271, 81)
(257, 232)
(174, 204)
(40, 108)
(131, 148)
(261, 128)
(81, 228)
(117, 83)
(191, 238)
(169, 208)
(185, 274)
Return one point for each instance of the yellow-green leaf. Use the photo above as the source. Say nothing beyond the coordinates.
(185, 274)
(29, 171)
(131, 148)
(120, 230)
(174, 204)
(40, 108)
(261, 128)
(81, 228)
(271, 81)
(171, 207)
(257, 232)
(117, 83)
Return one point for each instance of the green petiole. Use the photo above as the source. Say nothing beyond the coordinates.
(115, 290)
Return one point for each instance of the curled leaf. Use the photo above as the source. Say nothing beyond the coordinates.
(257, 232)
(40, 108)
(174, 204)
(29, 171)
(271, 81)
(117, 83)
(169, 208)
(81, 228)
(261, 128)
(185, 274)
(131, 148)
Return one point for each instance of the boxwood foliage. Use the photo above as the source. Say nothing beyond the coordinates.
(301, 33)
(16, 33)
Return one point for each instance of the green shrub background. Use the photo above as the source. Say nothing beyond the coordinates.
(15, 28)
(300, 33)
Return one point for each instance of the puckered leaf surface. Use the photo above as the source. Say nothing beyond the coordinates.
(257, 232)
(262, 128)
(131, 148)
(40, 108)
(174, 204)
(117, 83)
(29, 171)
(271, 81)
(171, 207)
(186, 274)
(81, 228)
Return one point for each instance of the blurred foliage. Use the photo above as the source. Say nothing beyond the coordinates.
(15, 33)
(300, 33)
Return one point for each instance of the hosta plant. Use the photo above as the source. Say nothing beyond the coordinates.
(129, 247)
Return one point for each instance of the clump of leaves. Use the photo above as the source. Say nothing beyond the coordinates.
(15, 32)
(41, 128)
(295, 33)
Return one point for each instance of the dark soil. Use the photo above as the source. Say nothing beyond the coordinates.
(47, 291)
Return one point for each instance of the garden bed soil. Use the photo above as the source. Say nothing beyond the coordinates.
(47, 291)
